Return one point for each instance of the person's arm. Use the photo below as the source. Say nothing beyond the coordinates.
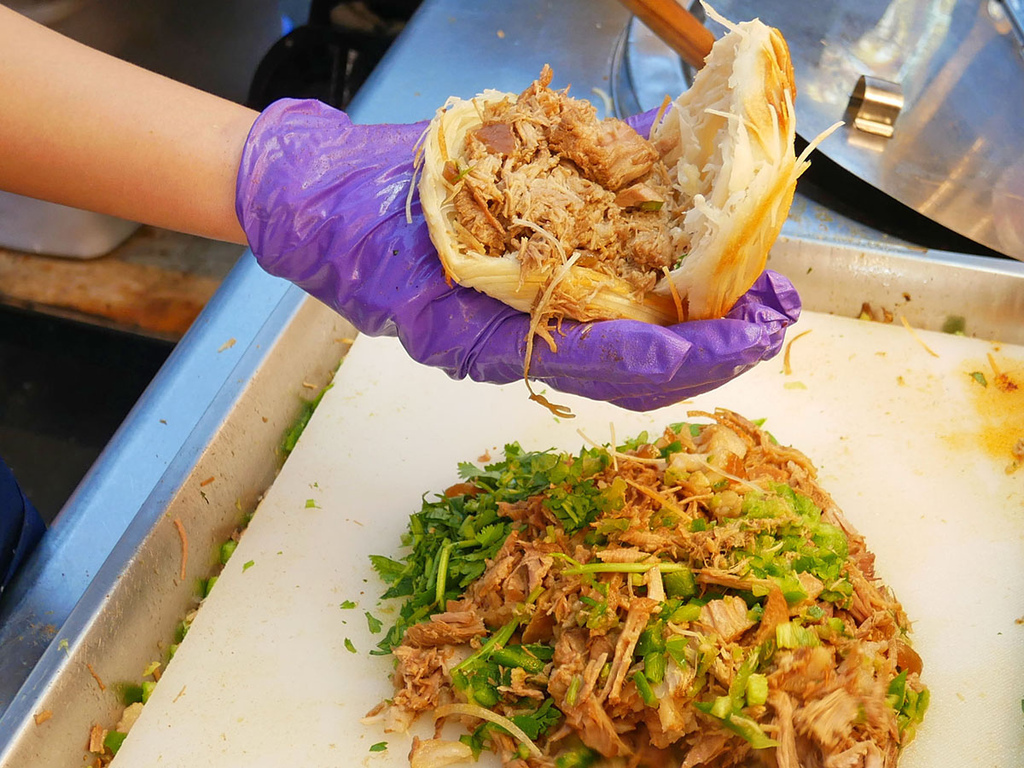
(85, 129)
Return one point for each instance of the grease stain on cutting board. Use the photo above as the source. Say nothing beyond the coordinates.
(995, 389)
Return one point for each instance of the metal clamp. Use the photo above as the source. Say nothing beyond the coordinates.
(875, 104)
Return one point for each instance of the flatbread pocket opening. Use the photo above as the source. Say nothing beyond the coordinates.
(535, 201)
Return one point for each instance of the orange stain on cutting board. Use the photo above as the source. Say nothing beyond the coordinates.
(996, 390)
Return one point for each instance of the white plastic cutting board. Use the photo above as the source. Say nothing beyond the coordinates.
(910, 445)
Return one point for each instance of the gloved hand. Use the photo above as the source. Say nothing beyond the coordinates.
(323, 204)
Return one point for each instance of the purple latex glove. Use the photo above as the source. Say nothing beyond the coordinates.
(323, 204)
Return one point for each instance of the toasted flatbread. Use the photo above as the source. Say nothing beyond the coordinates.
(724, 164)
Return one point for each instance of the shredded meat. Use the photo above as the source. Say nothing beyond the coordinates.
(652, 664)
(596, 728)
(609, 151)
(636, 619)
(449, 628)
(546, 179)
(726, 617)
(785, 733)
(828, 720)
(637, 195)
(419, 677)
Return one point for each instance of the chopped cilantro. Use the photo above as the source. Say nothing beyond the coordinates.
(373, 623)
(347, 605)
(380, 746)
(540, 720)
(452, 537)
(534, 724)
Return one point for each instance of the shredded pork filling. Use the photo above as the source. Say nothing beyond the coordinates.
(693, 600)
(544, 179)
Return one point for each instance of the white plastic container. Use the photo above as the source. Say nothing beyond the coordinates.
(37, 226)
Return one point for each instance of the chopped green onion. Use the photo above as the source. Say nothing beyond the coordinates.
(350, 646)
(790, 635)
(898, 691)
(580, 568)
(495, 641)
(208, 587)
(180, 631)
(685, 613)
(380, 746)
(645, 690)
(484, 694)
(676, 646)
(442, 573)
(680, 583)
(743, 726)
(227, 549)
(517, 656)
(955, 324)
(654, 666)
(757, 690)
(651, 205)
(652, 638)
(131, 694)
(722, 707)
(574, 690)
(579, 757)
(113, 741)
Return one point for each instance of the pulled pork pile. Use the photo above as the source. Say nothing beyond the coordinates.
(694, 600)
(545, 180)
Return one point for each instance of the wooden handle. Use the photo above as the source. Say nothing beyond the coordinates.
(676, 27)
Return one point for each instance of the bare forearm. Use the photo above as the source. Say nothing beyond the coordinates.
(82, 128)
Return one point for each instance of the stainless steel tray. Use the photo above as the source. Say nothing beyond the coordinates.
(129, 612)
(115, 609)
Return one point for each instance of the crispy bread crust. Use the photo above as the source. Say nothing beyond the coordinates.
(728, 140)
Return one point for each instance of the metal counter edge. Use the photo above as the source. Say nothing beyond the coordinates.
(248, 311)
